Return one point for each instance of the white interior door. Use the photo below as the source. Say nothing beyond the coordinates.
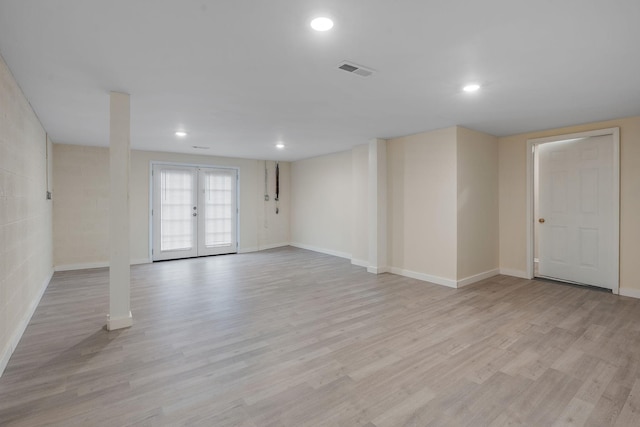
(194, 211)
(576, 224)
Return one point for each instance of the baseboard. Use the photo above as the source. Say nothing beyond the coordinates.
(360, 262)
(477, 277)
(248, 250)
(273, 246)
(119, 323)
(101, 264)
(424, 277)
(633, 293)
(515, 273)
(321, 250)
(377, 270)
(22, 326)
(82, 266)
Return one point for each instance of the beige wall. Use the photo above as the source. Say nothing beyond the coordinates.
(321, 203)
(81, 205)
(273, 229)
(513, 226)
(360, 205)
(25, 214)
(422, 203)
(81, 214)
(477, 183)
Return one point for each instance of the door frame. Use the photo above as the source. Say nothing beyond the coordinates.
(531, 144)
(195, 165)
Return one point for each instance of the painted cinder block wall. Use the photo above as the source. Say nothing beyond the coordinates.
(26, 261)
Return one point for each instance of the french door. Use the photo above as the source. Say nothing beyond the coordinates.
(194, 211)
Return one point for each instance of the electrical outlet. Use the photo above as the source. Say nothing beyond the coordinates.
(266, 197)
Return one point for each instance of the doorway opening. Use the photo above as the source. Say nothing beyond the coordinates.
(194, 211)
(573, 208)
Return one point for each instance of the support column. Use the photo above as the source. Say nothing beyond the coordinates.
(377, 206)
(119, 266)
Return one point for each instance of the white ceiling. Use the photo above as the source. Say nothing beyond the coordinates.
(240, 75)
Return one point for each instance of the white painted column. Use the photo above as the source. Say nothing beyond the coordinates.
(377, 206)
(119, 265)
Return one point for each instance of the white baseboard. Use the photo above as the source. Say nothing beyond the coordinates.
(101, 264)
(83, 266)
(377, 270)
(633, 293)
(119, 323)
(424, 277)
(261, 248)
(514, 273)
(321, 250)
(360, 262)
(273, 246)
(22, 326)
(477, 277)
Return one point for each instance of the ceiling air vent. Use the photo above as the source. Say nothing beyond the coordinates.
(356, 69)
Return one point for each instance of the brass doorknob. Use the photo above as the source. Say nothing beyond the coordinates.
(541, 220)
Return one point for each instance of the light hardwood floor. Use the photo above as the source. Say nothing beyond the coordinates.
(288, 337)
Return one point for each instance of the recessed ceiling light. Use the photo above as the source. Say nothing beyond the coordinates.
(280, 145)
(181, 133)
(322, 24)
(471, 87)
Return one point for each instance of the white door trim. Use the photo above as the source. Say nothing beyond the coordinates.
(531, 143)
(196, 165)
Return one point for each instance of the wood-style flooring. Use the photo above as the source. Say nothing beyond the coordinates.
(289, 337)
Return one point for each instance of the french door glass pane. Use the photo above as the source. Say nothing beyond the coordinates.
(218, 199)
(176, 210)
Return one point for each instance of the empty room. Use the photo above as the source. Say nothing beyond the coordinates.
(319, 213)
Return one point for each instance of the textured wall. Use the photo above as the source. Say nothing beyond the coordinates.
(25, 213)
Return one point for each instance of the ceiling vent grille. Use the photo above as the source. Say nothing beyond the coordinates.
(356, 69)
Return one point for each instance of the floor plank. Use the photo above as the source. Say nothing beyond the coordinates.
(288, 337)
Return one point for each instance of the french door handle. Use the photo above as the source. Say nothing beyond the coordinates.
(195, 214)
(541, 220)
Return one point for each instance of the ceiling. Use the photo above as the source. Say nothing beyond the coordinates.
(241, 75)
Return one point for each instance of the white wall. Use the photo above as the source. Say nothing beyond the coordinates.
(422, 191)
(321, 204)
(442, 205)
(360, 205)
(513, 203)
(25, 214)
(81, 214)
(477, 183)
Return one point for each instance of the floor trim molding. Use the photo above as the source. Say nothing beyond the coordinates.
(22, 326)
(515, 273)
(633, 293)
(321, 250)
(477, 277)
(424, 277)
(119, 323)
(377, 270)
(100, 264)
(360, 262)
